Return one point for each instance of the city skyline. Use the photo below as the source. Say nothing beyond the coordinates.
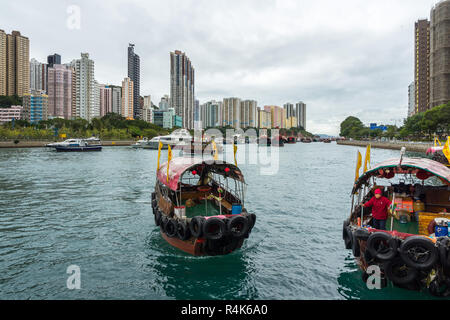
(365, 74)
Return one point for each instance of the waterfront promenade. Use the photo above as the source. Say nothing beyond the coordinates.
(42, 143)
(410, 146)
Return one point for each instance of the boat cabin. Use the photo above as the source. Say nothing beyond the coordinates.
(195, 187)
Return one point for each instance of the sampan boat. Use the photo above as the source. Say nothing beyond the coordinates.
(414, 250)
(199, 206)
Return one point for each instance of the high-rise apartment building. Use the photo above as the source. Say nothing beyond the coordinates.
(105, 100)
(127, 99)
(147, 110)
(411, 99)
(35, 106)
(182, 87)
(210, 113)
(264, 119)
(116, 99)
(53, 59)
(38, 76)
(231, 112)
(2, 63)
(277, 116)
(86, 97)
(248, 114)
(164, 104)
(60, 91)
(134, 75)
(300, 114)
(14, 64)
(422, 65)
(440, 54)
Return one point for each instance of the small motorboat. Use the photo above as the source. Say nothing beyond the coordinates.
(80, 145)
(414, 250)
(326, 140)
(140, 143)
(199, 206)
(291, 140)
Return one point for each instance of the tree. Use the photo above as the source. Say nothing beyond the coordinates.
(351, 127)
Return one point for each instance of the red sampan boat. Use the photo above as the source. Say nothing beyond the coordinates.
(200, 206)
(414, 250)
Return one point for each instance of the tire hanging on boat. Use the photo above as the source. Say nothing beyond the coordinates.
(158, 217)
(171, 228)
(382, 246)
(356, 249)
(238, 226)
(419, 253)
(214, 228)
(362, 234)
(252, 220)
(440, 288)
(163, 223)
(183, 231)
(398, 272)
(444, 255)
(196, 226)
(347, 234)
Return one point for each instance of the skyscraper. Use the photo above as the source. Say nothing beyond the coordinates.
(147, 110)
(53, 59)
(14, 64)
(134, 75)
(86, 104)
(440, 54)
(105, 100)
(231, 112)
(116, 99)
(300, 114)
(210, 113)
(127, 98)
(182, 87)
(277, 116)
(411, 99)
(248, 114)
(38, 76)
(60, 91)
(422, 65)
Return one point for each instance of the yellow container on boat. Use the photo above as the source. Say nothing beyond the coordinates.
(419, 206)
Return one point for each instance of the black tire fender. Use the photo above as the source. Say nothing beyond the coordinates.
(183, 230)
(399, 273)
(419, 252)
(382, 246)
(214, 228)
(163, 223)
(349, 238)
(171, 228)
(238, 226)
(157, 217)
(356, 249)
(196, 226)
(362, 234)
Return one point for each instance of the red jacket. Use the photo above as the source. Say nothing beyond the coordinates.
(379, 207)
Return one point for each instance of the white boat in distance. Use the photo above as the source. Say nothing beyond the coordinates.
(178, 137)
(70, 142)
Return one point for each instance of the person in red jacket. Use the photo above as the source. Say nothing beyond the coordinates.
(380, 207)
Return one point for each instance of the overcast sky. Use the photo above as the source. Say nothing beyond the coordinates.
(348, 57)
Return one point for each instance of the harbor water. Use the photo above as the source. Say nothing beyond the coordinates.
(93, 210)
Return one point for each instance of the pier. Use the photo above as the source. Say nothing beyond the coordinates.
(410, 146)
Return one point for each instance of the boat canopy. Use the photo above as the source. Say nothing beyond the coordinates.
(423, 168)
(178, 166)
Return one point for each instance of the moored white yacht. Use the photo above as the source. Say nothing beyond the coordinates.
(176, 138)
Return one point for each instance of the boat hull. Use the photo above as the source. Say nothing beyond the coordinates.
(78, 149)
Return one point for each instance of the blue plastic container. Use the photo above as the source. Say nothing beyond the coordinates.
(236, 208)
(441, 231)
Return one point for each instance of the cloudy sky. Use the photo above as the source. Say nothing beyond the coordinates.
(348, 57)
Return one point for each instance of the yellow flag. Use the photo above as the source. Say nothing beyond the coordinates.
(367, 159)
(446, 150)
(169, 157)
(358, 165)
(216, 153)
(159, 154)
(235, 150)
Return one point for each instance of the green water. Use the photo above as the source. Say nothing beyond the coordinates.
(93, 210)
